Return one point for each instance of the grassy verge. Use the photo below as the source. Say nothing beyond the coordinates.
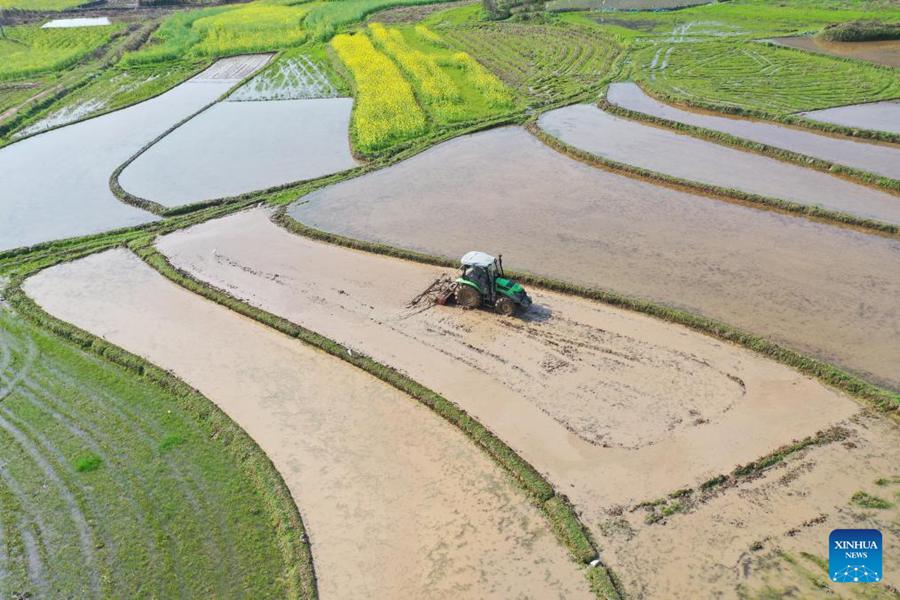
(726, 139)
(806, 210)
(176, 498)
(872, 395)
(560, 514)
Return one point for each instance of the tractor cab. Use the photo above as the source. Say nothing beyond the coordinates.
(482, 282)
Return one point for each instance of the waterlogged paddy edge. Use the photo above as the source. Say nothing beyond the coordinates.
(351, 449)
(880, 159)
(679, 155)
(56, 184)
(792, 280)
(238, 147)
(883, 52)
(877, 116)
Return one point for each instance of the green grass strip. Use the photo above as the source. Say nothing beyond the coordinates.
(879, 398)
(806, 210)
(278, 504)
(557, 509)
(858, 175)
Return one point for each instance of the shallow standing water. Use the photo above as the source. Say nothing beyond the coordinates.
(680, 155)
(880, 159)
(818, 288)
(238, 147)
(878, 116)
(882, 52)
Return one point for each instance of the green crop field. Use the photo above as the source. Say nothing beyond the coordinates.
(30, 50)
(544, 63)
(110, 487)
(326, 18)
(41, 4)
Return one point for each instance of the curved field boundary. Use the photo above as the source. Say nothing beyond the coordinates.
(726, 139)
(727, 194)
(882, 136)
(291, 539)
(881, 399)
(36, 110)
(561, 516)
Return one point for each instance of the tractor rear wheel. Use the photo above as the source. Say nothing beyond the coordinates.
(468, 297)
(505, 306)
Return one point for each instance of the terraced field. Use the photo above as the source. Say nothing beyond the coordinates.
(112, 487)
(879, 159)
(544, 63)
(30, 50)
(876, 116)
(297, 77)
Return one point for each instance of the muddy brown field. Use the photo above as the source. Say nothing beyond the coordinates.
(884, 52)
(679, 155)
(589, 394)
(397, 502)
(784, 277)
(882, 159)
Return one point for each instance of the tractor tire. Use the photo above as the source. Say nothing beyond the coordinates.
(505, 307)
(468, 297)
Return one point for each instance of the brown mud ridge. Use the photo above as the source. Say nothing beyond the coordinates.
(818, 289)
(614, 407)
(397, 502)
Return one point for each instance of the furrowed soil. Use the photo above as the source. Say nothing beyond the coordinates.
(238, 147)
(881, 159)
(795, 281)
(589, 394)
(396, 501)
(686, 157)
(884, 52)
(878, 116)
(56, 184)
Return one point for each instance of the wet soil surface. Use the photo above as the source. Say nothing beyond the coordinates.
(875, 158)
(885, 52)
(56, 185)
(818, 288)
(614, 407)
(878, 116)
(397, 503)
(239, 147)
(680, 155)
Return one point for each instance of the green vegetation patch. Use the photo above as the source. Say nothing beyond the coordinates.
(41, 4)
(867, 500)
(30, 50)
(326, 18)
(113, 487)
(861, 31)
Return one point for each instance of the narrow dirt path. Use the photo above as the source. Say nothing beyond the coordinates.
(397, 502)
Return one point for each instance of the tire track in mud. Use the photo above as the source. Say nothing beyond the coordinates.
(8, 383)
(187, 475)
(86, 534)
(34, 551)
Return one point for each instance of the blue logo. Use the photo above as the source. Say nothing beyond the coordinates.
(854, 555)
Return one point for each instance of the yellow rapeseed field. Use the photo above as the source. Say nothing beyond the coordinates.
(386, 110)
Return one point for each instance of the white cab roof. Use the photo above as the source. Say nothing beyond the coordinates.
(477, 259)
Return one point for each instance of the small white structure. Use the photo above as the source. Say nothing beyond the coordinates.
(80, 22)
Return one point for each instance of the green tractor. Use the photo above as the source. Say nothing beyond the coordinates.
(482, 283)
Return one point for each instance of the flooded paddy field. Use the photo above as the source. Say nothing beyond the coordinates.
(664, 151)
(56, 184)
(588, 393)
(882, 52)
(792, 280)
(238, 147)
(879, 159)
(381, 481)
(877, 116)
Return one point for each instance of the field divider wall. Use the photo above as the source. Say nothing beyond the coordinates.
(726, 194)
(853, 174)
(870, 395)
(276, 500)
(556, 508)
(789, 119)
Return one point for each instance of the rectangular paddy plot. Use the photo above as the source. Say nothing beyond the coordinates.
(111, 487)
(886, 52)
(382, 483)
(588, 393)
(291, 78)
(879, 159)
(877, 116)
(680, 155)
(56, 184)
(784, 277)
(237, 147)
